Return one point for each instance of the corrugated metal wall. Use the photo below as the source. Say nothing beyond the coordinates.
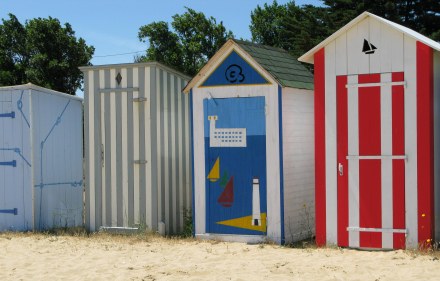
(137, 147)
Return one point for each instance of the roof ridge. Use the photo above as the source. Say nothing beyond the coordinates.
(261, 46)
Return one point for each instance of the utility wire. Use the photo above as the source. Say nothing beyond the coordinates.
(121, 54)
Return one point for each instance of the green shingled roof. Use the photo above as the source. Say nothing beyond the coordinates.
(286, 69)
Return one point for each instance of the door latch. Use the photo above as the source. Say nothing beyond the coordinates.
(341, 169)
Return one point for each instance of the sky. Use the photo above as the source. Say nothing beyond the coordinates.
(111, 26)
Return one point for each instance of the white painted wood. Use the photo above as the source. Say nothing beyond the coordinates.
(388, 231)
(375, 35)
(353, 164)
(379, 84)
(173, 158)
(188, 164)
(341, 54)
(352, 50)
(113, 151)
(330, 145)
(386, 48)
(363, 60)
(147, 135)
(410, 68)
(386, 112)
(136, 152)
(91, 133)
(124, 117)
(166, 152)
(371, 157)
(103, 147)
(181, 182)
(298, 164)
(158, 149)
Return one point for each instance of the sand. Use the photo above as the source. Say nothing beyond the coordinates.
(113, 257)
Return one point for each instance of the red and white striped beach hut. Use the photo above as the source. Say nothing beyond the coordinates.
(377, 125)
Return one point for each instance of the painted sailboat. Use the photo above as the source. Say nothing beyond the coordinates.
(214, 174)
(227, 196)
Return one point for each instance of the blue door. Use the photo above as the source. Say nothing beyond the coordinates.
(235, 164)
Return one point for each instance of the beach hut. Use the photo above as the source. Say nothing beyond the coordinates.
(252, 120)
(40, 159)
(377, 87)
(138, 172)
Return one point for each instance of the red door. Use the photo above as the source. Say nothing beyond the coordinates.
(371, 160)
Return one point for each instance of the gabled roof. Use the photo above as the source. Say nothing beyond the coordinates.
(278, 63)
(308, 57)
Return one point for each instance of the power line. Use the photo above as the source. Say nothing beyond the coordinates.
(121, 54)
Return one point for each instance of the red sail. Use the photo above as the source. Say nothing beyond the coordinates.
(227, 197)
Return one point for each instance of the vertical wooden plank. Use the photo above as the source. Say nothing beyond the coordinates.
(353, 164)
(353, 50)
(147, 136)
(114, 202)
(341, 54)
(386, 48)
(102, 147)
(124, 144)
(411, 217)
(91, 149)
(375, 39)
(425, 145)
(330, 144)
(159, 143)
(173, 157)
(363, 60)
(342, 146)
(180, 184)
(387, 164)
(136, 153)
(320, 163)
(396, 46)
(398, 117)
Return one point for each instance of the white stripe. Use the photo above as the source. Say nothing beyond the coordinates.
(114, 202)
(165, 150)
(353, 164)
(173, 154)
(380, 84)
(387, 163)
(124, 149)
(102, 123)
(147, 135)
(411, 142)
(330, 146)
(387, 231)
(159, 145)
(181, 183)
(91, 183)
(376, 157)
(136, 143)
(187, 158)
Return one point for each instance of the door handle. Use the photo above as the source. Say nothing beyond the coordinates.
(341, 169)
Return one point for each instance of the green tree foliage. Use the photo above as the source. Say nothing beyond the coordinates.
(299, 28)
(192, 40)
(42, 52)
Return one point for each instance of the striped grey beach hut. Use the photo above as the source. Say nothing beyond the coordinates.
(137, 152)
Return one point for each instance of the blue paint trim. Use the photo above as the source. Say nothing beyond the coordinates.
(20, 108)
(18, 151)
(10, 211)
(12, 163)
(280, 123)
(8, 115)
(192, 161)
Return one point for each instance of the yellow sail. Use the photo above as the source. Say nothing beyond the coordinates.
(246, 223)
(214, 174)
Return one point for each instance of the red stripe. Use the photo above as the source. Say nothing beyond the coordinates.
(398, 123)
(425, 151)
(342, 141)
(320, 215)
(370, 207)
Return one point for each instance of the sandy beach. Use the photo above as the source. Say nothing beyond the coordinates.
(114, 257)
